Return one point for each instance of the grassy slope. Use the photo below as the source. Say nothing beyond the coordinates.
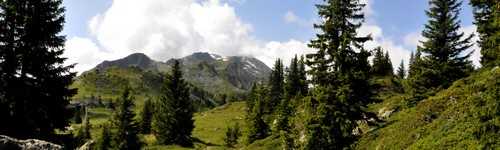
(464, 116)
(210, 126)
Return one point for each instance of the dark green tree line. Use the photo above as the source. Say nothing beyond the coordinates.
(487, 16)
(34, 83)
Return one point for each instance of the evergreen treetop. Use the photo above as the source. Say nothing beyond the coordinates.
(35, 84)
(173, 121)
(127, 128)
(487, 14)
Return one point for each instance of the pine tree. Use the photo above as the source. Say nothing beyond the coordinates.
(304, 87)
(146, 117)
(126, 128)
(340, 77)
(276, 84)
(443, 52)
(401, 74)
(35, 83)
(382, 65)
(173, 120)
(232, 135)
(258, 129)
(105, 140)
(388, 69)
(487, 16)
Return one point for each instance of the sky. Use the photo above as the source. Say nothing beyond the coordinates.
(99, 30)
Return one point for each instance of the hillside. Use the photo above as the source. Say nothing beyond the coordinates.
(210, 75)
(464, 116)
(210, 72)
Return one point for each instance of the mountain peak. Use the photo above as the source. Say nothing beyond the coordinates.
(139, 60)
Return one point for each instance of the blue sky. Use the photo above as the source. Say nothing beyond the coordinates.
(271, 25)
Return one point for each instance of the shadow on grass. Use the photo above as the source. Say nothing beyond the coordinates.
(204, 143)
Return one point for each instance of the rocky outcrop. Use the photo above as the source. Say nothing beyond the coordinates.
(9, 143)
(87, 146)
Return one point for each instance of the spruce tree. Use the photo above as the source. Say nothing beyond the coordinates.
(378, 63)
(388, 68)
(146, 117)
(232, 135)
(381, 63)
(340, 76)
(173, 121)
(401, 74)
(35, 84)
(295, 79)
(444, 60)
(257, 128)
(276, 84)
(304, 87)
(104, 142)
(126, 127)
(487, 16)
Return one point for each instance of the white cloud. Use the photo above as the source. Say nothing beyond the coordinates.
(171, 29)
(283, 50)
(413, 39)
(290, 17)
(82, 52)
(476, 55)
(396, 52)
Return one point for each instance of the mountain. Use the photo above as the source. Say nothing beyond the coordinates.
(209, 74)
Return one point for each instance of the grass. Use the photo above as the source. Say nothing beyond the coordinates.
(209, 132)
(464, 116)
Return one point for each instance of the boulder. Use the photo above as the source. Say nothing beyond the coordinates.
(29, 144)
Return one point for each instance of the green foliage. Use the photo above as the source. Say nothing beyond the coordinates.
(146, 117)
(126, 128)
(382, 65)
(232, 135)
(443, 59)
(401, 73)
(173, 117)
(77, 114)
(257, 127)
(104, 142)
(464, 116)
(34, 82)
(276, 85)
(487, 14)
(339, 75)
(295, 79)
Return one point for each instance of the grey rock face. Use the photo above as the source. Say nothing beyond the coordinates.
(209, 71)
(9, 143)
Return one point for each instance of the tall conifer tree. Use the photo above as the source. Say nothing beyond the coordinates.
(35, 83)
(257, 128)
(444, 60)
(146, 117)
(173, 121)
(276, 84)
(401, 74)
(487, 15)
(340, 76)
(127, 128)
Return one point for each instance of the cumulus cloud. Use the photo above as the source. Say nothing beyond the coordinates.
(171, 29)
(82, 52)
(290, 17)
(476, 51)
(397, 52)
